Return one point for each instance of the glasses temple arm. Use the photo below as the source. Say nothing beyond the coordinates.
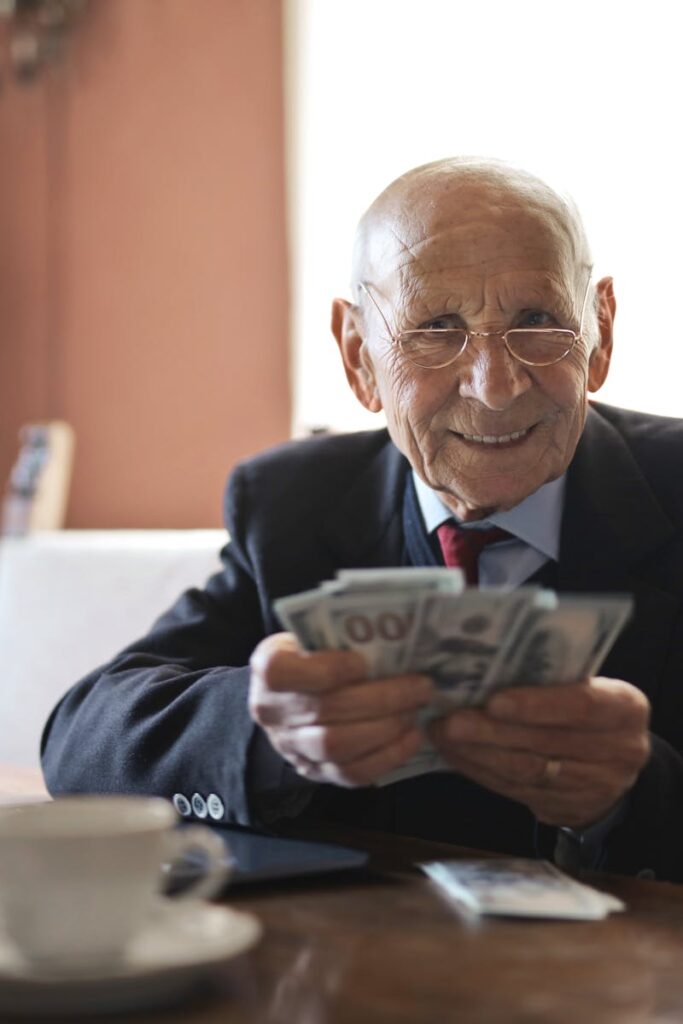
(366, 290)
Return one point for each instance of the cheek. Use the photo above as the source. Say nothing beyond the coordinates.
(396, 385)
(411, 400)
(568, 386)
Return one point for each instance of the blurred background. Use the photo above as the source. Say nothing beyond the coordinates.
(180, 181)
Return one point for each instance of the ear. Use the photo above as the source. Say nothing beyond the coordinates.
(601, 355)
(360, 374)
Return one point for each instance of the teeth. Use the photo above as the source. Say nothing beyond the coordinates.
(491, 439)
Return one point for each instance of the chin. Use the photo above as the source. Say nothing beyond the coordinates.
(481, 501)
(481, 484)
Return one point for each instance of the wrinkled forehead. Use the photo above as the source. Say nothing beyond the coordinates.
(445, 231)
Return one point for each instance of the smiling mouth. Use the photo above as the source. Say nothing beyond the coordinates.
(495, 439)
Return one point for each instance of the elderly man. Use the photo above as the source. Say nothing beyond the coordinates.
(456, 267)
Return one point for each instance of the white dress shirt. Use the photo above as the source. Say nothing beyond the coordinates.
(534, 525)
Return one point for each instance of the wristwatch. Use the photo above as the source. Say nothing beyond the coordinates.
(569, 852)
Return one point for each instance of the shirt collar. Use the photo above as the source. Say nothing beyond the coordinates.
(535, 521)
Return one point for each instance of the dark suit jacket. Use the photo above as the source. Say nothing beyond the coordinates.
(169, 714)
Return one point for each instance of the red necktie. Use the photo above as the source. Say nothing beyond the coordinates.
(461, 548)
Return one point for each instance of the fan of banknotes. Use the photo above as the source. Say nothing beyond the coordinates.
(471, 642)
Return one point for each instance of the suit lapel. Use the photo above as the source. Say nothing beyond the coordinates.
(613, 531)
(613, 521)
(366, 528)
(362, 526)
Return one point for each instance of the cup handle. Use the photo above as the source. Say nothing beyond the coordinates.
(197, 837)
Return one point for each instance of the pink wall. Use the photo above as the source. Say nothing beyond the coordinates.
(143, 282)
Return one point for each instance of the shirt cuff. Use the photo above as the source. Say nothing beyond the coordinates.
(585, 848)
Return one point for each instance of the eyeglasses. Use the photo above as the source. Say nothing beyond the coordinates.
(434, 348)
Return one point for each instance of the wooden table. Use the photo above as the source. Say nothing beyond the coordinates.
(384, 946)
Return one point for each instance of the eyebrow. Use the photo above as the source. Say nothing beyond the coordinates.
(429, 304)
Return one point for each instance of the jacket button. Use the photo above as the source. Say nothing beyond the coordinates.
(215, 806)
(199, 805)
(182, 805)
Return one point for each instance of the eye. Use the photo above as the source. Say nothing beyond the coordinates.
(447, 322)
(536, 318)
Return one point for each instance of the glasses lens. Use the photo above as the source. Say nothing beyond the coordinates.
(540, 347)
(432, 349)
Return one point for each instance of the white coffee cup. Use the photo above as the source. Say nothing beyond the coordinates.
(80, 874)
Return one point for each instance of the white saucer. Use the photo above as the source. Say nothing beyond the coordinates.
(177, 949)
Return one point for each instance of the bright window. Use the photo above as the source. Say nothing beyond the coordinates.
(584, 95)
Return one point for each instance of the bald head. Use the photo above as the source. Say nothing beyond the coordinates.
(428, 199)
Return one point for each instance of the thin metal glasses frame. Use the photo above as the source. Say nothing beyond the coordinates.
(572, 336)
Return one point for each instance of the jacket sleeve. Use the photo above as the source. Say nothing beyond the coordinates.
(642, 835)
(648, 841)
(168, 715)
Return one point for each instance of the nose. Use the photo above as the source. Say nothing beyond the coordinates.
(490, 375)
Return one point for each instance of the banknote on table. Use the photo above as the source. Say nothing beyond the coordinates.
(518, 887)
(471, 641)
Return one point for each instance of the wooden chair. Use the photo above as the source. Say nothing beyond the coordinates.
(38, 488)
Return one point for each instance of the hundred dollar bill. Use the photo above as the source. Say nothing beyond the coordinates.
(303, 615)
(471, 642)
(516, 887)
(563, 644)
(553, 639)
(379, 626)
(458, 640)
(367, 580)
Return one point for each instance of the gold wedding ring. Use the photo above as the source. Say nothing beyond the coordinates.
(552, 770)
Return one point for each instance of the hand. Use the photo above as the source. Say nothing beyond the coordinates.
(325, 717)
(568, 752)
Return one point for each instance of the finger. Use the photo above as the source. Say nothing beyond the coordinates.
(372, 766)
(373, 699)
(574, 795)
(355, 702)
(272, 709)
(628, 745)
(279, 663)
(595, 704)
(340, 744)
(526, 769)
